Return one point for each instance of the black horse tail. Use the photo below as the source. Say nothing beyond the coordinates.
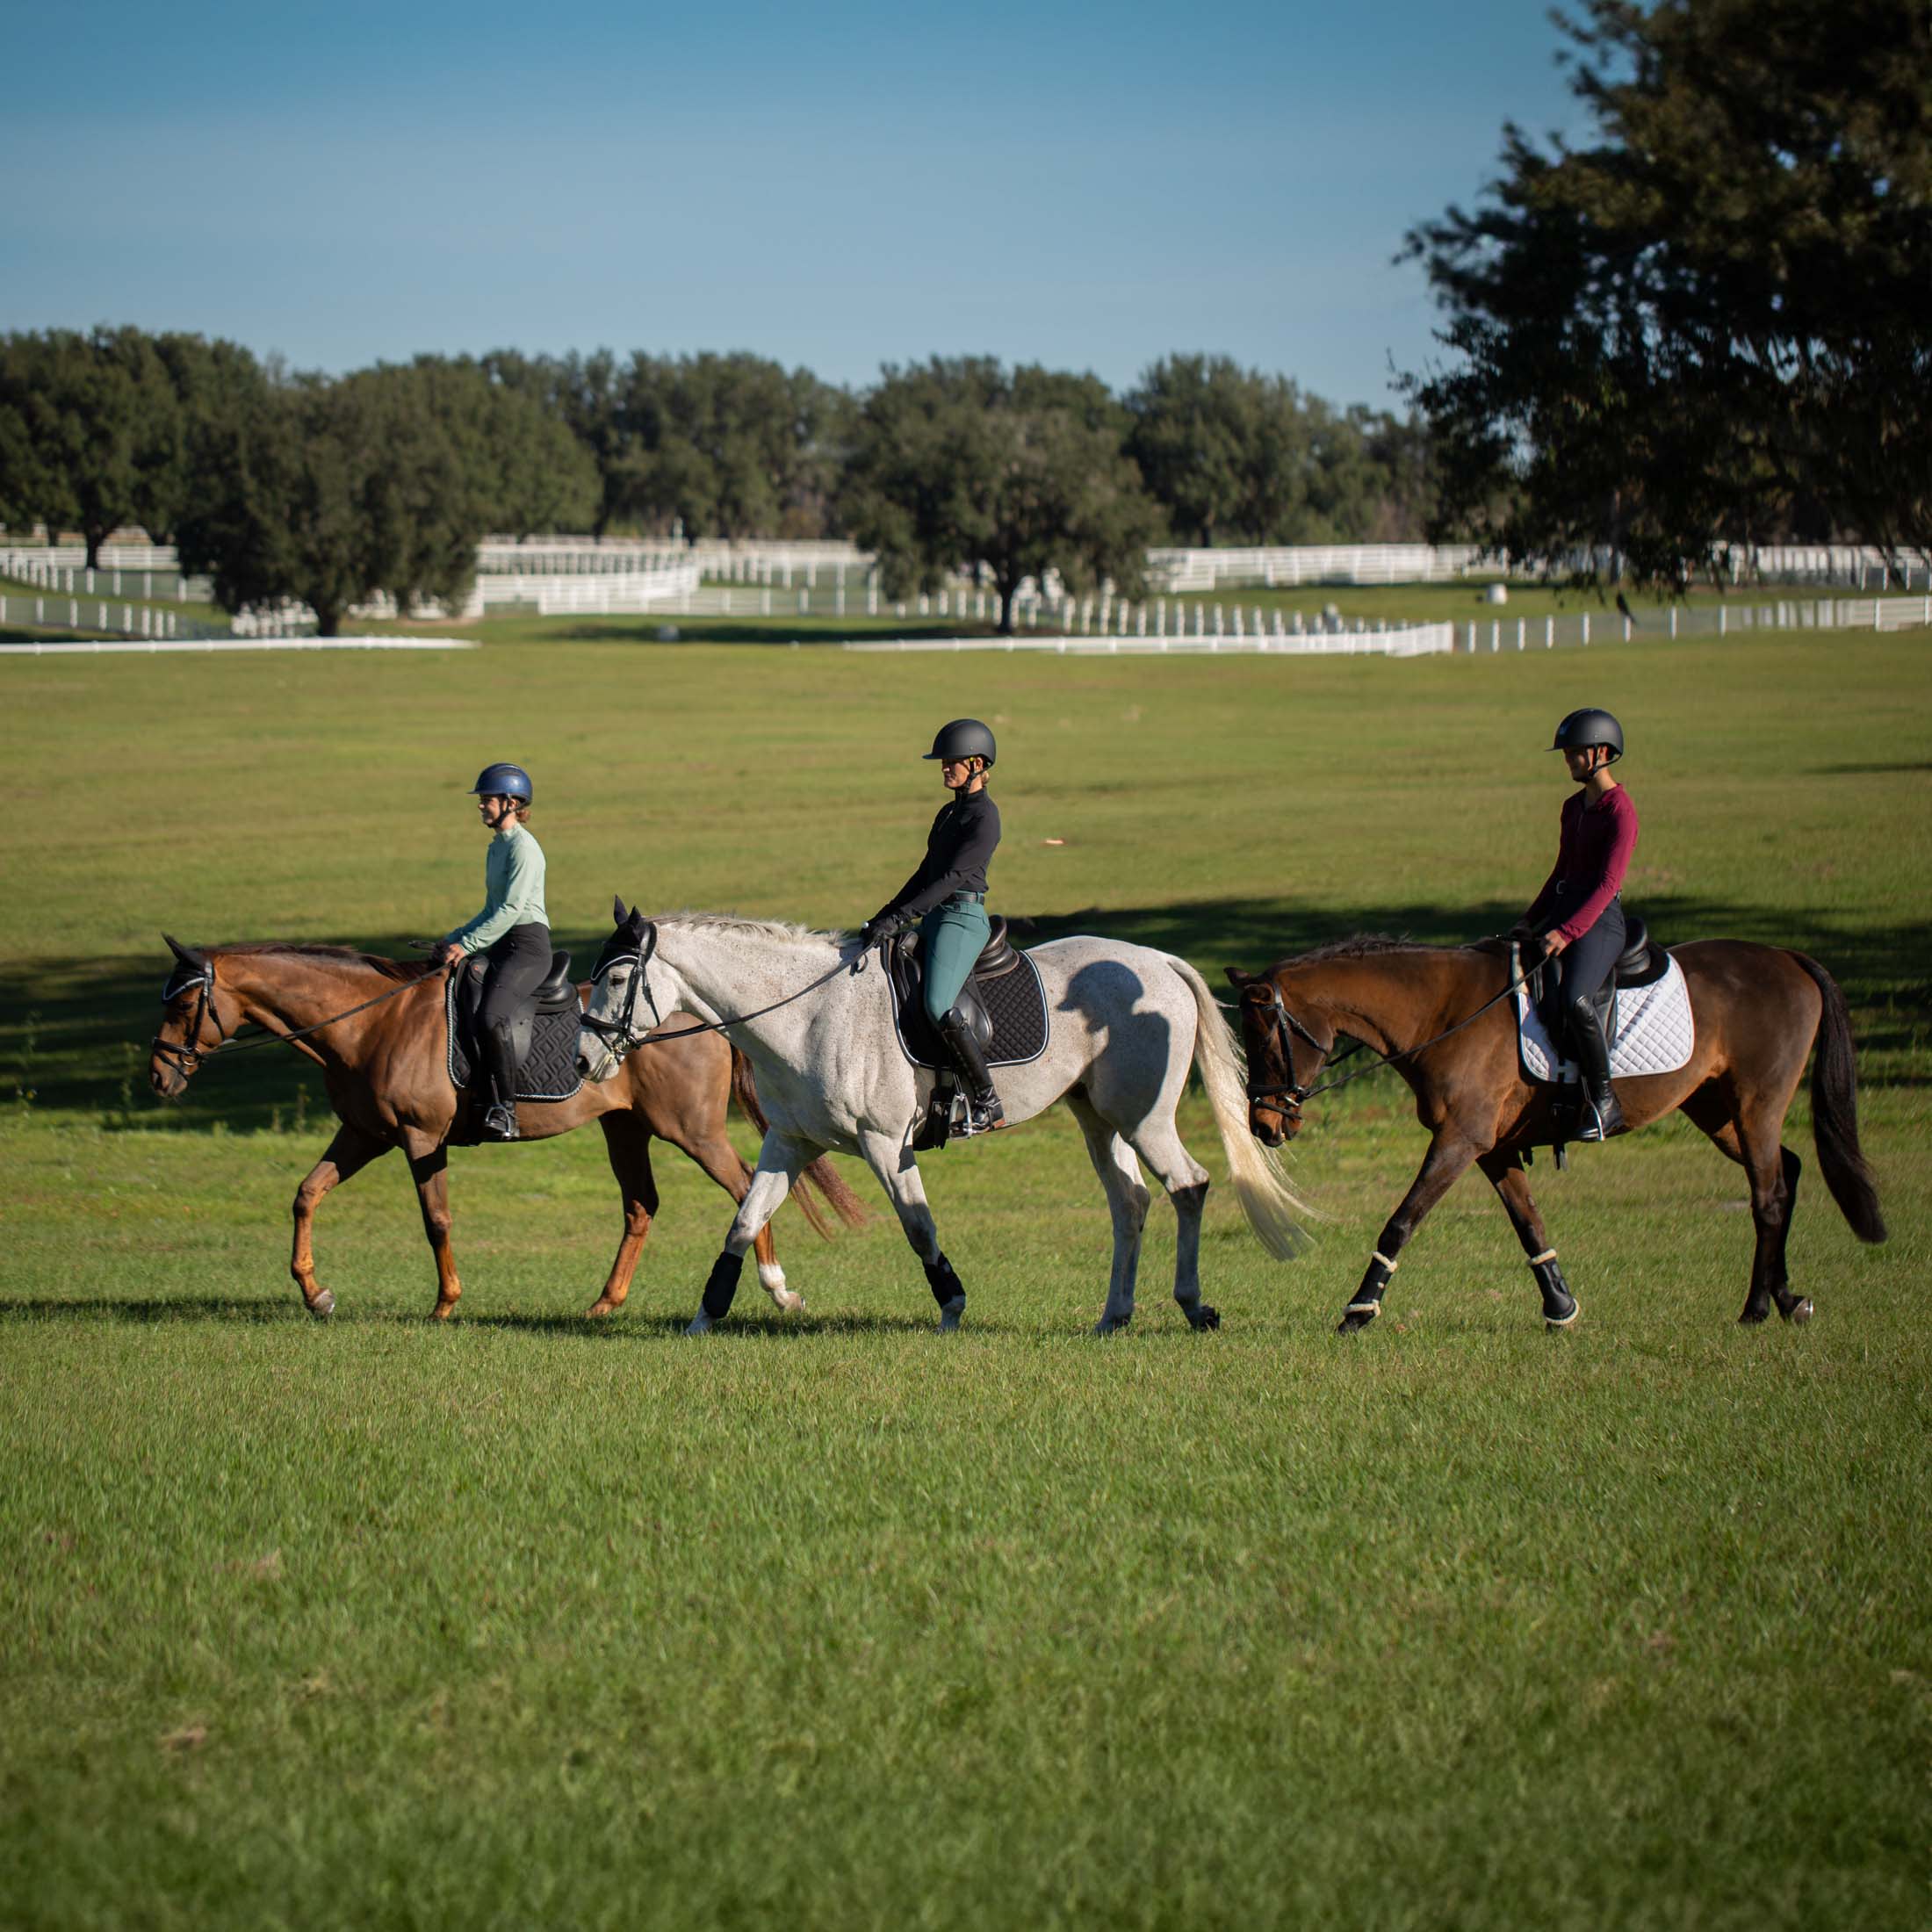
(1834, 1110)
(820, 1175)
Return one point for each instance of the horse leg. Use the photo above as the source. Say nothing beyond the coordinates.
(781, 1160)
(1772, 1171)
(430, 1169)
(716, 1155)
(1186, 1182)
(1505, 1174)
(348, 1154)
(1126, 1199)
(1447, 1160)
(892, 1161)
(627, 1141)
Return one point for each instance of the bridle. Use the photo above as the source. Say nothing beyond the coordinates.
(1294, 1092)
(620, 1035)
(188, 1054)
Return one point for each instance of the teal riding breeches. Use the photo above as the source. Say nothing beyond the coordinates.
(951, 937)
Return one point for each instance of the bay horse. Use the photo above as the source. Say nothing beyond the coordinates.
(1127, 1023)
(1758, 1011)
(385, 1069)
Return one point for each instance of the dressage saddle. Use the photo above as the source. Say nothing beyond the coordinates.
(543, 1034)
(905, 966)
(1640, 963)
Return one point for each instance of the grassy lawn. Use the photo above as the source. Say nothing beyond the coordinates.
(821, 1621)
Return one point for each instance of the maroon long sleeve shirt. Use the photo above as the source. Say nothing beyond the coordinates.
(1591, 858)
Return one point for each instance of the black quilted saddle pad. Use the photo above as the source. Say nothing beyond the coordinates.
(1016, 1003)
(549, 1068)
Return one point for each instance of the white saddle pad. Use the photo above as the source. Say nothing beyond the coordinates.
(1655, 1033)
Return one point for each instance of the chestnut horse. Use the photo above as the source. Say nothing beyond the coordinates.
(1758, 1010)
(386, 1068)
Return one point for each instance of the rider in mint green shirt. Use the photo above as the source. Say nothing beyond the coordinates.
(512, 931)
(513, 889)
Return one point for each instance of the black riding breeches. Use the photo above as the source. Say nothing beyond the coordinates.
(519, 964)
(1586, 962)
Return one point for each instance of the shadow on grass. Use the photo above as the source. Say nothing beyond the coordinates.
(153, 1311)
(74, 1032)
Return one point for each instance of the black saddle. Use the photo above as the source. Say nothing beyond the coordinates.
(1002, 1001)
(1640, 963)
(544, 1032)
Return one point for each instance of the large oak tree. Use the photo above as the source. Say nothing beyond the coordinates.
(960, 462)
(1712, 321)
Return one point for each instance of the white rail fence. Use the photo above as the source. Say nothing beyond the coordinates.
(833, 580)
(1403, 641)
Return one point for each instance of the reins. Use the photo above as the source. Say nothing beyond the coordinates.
(1297, 1095)
(188, 1057)
(617, 1033)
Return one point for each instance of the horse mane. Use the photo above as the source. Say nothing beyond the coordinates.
(402, 970)
(1374, 945)
(786, 932)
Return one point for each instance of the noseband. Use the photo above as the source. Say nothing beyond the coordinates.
(187, 1055)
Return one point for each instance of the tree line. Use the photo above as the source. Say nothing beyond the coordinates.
(281, 484)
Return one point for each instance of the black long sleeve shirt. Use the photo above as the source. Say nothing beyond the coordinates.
(957, 849)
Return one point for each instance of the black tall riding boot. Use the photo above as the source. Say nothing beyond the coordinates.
(499, 1054)
(1601, 1115)
(983, 1111)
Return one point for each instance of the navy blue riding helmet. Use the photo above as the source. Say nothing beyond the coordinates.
(503, 782)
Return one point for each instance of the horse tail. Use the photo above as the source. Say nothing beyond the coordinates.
(1260, 1185)
(820, 1175)
(1834, 1110)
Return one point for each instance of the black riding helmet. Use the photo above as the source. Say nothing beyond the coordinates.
(964, 738)
(1589, 727)
(503, 782)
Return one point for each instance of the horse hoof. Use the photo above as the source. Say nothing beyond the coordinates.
(1203, 1319)
(1799, 1313)
(1111, 1324)
(701, 1324)
(324, 1303)
(1553, 1323)
(598, 1308)
(1752, 1316)
(950, 1314)
(1356, 1320)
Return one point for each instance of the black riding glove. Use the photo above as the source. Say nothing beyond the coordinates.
(881, 926)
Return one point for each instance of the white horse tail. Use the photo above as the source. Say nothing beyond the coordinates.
(1266, 1199)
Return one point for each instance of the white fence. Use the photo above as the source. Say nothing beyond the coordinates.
(1721, 620)
(1407, 641)
(1292, 564)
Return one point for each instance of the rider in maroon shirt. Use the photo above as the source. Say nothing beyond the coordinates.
(1578, 915)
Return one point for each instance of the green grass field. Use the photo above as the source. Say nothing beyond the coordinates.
(824, 1621)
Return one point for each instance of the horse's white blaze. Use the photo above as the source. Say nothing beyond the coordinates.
(1127, 1023)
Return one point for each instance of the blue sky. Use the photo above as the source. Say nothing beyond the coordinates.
(839, 186)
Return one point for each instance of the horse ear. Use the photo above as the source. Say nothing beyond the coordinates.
(186, 955)
(619, 911)
(1235, 977)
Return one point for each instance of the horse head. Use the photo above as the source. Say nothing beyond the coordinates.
(191, 1027)
(1277, 1083)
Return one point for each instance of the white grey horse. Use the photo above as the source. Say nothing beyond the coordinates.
(1126, 1023)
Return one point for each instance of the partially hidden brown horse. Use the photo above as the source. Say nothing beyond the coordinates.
(386, 1071)
(1758, 1012)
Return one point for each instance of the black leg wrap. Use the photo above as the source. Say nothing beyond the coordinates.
(1558, 1304)
(722, 1285)
(1374, 1282)
(943, 1281)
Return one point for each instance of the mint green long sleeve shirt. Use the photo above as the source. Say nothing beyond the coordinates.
(513, 876)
